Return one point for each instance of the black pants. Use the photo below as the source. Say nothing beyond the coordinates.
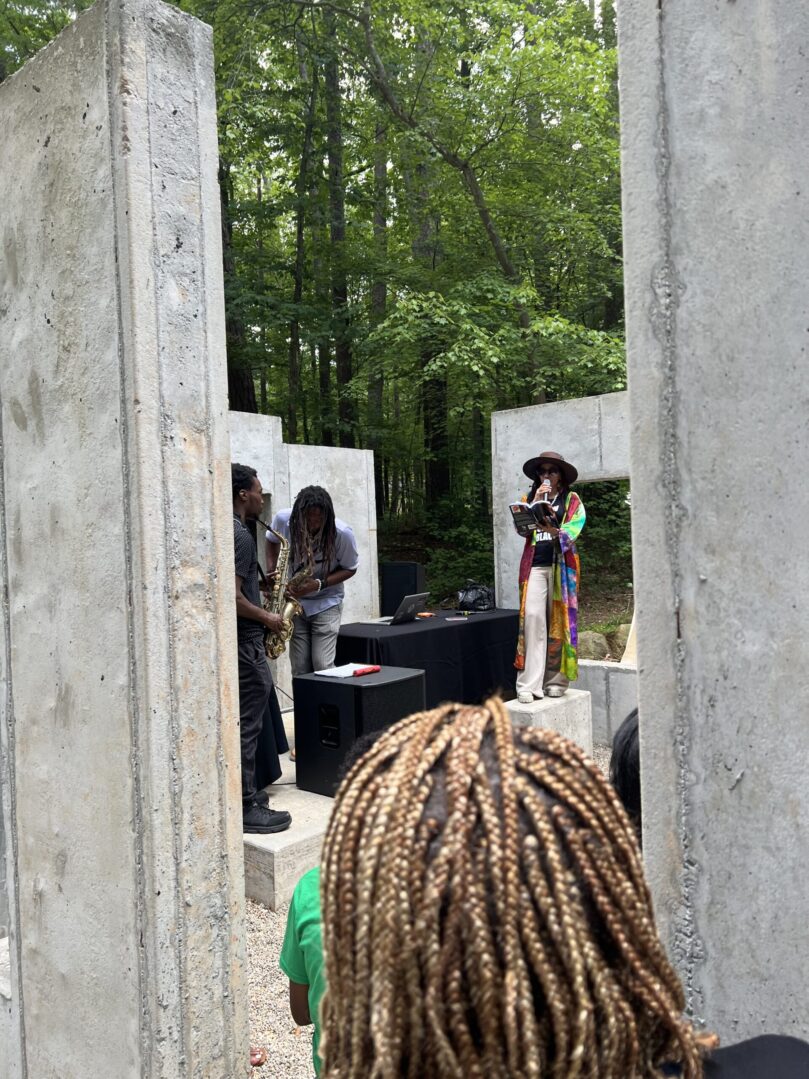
(261, 726)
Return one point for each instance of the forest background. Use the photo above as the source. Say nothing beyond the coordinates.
(421, 225)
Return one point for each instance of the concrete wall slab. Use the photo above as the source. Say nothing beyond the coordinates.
(121, 800)
(257, 441)
(716, 245)
(593, 679)
(613, 688)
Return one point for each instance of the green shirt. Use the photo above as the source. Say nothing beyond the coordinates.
(302, 951)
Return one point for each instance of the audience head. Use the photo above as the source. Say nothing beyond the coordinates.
(485, 913)
(625, 767)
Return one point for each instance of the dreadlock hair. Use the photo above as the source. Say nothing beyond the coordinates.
(302, 542)
(485, 914)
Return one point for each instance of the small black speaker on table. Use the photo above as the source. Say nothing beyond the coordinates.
(332, 713)
(397, 580)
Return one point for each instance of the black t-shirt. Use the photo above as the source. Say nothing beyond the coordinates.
(247, 569)
(543, 548)
(770, 1056)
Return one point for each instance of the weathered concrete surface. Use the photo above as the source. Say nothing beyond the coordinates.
(569, 715)
(3, 872)
(119, 733)
(715, 128)
(257, 441)
(613, 689)
(273, 864)
(591, 432)
(6, 1010)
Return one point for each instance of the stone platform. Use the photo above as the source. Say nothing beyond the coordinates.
(571, 715)
(273, 864)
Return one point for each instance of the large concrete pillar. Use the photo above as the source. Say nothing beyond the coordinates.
(121, 795)
(715, 129)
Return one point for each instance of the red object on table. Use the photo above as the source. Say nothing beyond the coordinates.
(367, 670)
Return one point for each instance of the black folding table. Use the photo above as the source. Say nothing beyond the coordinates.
(463, 661)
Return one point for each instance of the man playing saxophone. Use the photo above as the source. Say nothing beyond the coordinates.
(323, 555)
(261, 727)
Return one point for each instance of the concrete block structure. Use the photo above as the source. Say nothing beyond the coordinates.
(118, 728)
(570, 715)
(716, 246)
(613, 689)
(273, 864)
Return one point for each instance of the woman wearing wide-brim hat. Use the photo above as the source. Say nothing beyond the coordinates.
(549, 579)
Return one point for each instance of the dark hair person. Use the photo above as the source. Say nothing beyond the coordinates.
(547, 638)
(323, 556)
(625, 767)
(485, 913)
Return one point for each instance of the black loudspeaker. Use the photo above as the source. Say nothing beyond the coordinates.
(332, 713)
(397, 580)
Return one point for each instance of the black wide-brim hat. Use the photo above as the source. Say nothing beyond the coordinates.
(569, 473)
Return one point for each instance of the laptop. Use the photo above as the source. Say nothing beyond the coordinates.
(405, 612)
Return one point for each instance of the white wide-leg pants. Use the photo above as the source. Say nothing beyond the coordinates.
(536, 677)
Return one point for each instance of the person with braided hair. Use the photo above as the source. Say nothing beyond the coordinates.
(485, 914)
(323, 548)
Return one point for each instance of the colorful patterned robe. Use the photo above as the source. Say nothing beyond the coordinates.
(563, 632)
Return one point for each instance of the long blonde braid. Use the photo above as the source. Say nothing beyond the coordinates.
(485, 914)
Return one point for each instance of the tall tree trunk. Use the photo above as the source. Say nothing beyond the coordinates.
(301, 188)
(337, 227)
(241, 388)
(436, 441)
(480, 471)
(434, 394)
(320, 274)
(379, 300)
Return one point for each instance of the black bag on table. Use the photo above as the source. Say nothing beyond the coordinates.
(476, 597)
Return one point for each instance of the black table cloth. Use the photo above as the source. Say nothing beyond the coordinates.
(463, 661)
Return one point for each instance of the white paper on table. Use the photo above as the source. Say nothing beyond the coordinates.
(345, 671)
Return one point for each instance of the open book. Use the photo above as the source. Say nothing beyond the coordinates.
(529, 517)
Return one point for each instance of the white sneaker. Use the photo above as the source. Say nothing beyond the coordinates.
(555, 691)
(525, 697)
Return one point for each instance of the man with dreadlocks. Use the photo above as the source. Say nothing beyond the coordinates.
(324, 548)
(485, 914)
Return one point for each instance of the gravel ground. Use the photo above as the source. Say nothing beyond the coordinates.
(602, 755)
(289, 1047)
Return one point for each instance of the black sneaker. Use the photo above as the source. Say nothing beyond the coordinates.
(261, 820)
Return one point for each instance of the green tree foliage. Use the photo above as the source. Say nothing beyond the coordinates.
(421, 224)
(27, 25)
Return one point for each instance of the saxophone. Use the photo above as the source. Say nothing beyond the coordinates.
(277, 601)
